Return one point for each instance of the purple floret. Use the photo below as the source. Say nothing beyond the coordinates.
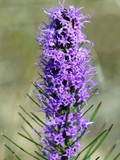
(54, 156)
(67, 80)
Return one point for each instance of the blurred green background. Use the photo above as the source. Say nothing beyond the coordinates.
(19, 22)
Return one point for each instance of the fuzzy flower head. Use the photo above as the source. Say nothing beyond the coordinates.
(67, 79)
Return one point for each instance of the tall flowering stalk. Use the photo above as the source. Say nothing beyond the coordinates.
(64, 87)
(66, 81)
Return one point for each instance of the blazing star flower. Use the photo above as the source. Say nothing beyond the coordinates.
(67, 80)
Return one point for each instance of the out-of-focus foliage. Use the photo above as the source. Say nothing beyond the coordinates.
(19, 22)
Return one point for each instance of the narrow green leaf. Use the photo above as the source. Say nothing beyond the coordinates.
(41, 91)
(26, 132)
(30, 116)
(77, 104)
(30, 140)
(101, 141)
(29, 136)
(103, 126)
(95, 112)
(91, 147)
(32, 99)
(87, 110)
(20, 147)
(110, 152)
(40, 155)
(97, 158)
(91, 143)
(93, 93)
(29, 124)
(12, 152)
(43, 123)
(118, 155)
(41, 101)
(79, 137)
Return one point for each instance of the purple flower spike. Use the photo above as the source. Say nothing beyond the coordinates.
(67, 80)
